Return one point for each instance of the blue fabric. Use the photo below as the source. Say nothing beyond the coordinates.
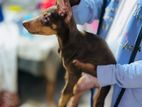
(130, 35)
(110, 12)
(132, 94)
(89, 10)
(1, 14)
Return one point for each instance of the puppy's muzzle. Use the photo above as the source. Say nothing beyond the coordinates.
(26, 25)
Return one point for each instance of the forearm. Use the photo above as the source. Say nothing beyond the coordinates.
(87, 10)
(126, 76)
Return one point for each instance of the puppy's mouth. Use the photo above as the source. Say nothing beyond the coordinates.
(33, 32)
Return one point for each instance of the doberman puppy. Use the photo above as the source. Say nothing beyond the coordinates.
(73, 44)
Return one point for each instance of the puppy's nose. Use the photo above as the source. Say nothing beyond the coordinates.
(26, 25)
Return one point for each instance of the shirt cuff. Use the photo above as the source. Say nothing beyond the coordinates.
(106, 75)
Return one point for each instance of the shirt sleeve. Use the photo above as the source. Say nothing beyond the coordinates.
(87, 11)
(125, 76)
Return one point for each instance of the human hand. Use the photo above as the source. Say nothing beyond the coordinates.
(85, 83)
(74, 2)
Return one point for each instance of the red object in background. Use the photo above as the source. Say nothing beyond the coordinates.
(47, 3)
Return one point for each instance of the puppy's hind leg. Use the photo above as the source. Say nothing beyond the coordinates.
(100, 97)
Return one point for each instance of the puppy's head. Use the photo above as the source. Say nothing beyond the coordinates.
(51, 21)
(45, 24)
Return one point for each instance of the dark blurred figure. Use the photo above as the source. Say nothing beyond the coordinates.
(1, 12)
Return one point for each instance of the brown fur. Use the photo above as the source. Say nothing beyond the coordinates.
(73, 44)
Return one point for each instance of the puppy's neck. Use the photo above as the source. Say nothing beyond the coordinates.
(67, 33)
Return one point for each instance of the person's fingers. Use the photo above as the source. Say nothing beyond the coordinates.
(85, 83)
(74, 100)
(84, 66)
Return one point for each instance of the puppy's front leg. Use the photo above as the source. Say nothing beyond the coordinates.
(67, 93)
(74, 101)
(64, 99)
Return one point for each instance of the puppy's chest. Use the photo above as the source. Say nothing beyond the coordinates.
(69, 54)
(72, 52)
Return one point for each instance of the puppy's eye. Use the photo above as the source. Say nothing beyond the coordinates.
(46, 20)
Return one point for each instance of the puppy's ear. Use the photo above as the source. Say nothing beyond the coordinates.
(64, 9)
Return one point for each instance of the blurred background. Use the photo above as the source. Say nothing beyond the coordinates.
(31, 72)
